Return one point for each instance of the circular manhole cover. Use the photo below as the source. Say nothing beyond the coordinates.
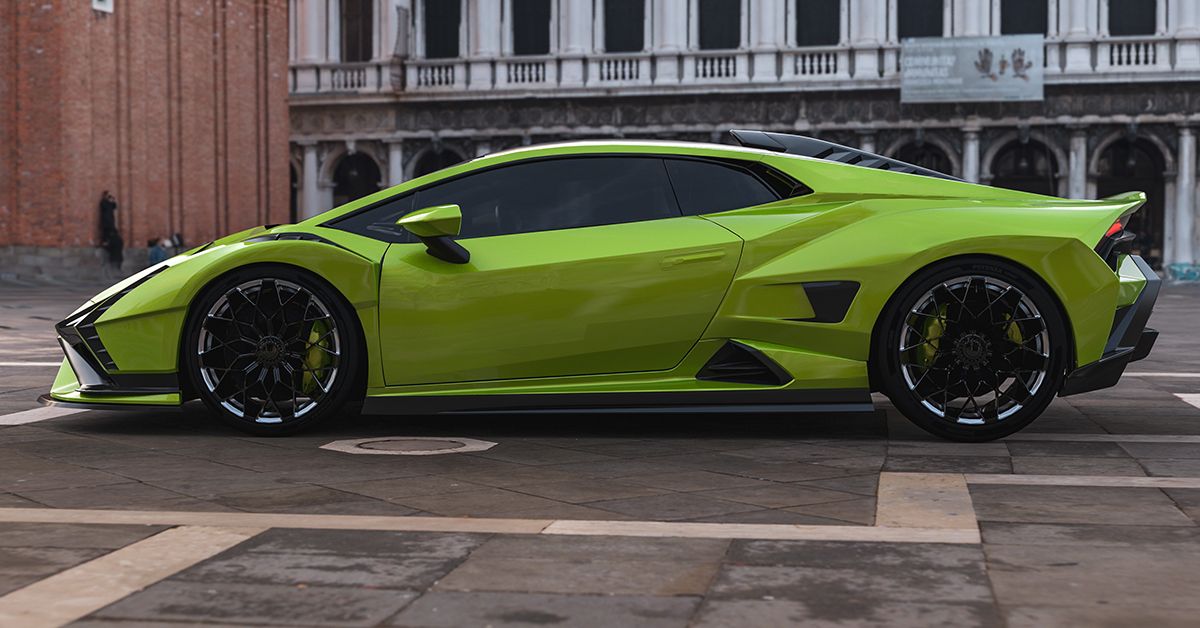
(408, 445)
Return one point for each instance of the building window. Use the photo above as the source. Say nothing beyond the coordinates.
(720, 23)
(1133, 17)
(818, 22)
(356, 30)
(442, 19)
(531, 27)
(624, 25)
(919, 18)
(1022, 17)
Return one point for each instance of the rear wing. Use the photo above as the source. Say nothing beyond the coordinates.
(820, 149)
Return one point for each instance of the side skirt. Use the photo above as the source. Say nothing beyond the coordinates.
(842, 400)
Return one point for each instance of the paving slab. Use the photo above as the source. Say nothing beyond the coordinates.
(1076, 465)
(453, 609)
(598, 576)
(1076, 504)
(279, 605)
(1148, 576)
(814, 613)
(848, 574)
(69, 535)
(362, 542)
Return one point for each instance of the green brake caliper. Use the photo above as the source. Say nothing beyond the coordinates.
(318, 357)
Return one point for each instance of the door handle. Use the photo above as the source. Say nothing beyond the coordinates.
(710, 255)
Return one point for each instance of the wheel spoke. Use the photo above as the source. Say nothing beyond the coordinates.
(258, 353)
(973, 349)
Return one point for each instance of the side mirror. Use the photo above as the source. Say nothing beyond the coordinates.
(436, 227)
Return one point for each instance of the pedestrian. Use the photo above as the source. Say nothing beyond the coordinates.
(110, 236)
(157, 252)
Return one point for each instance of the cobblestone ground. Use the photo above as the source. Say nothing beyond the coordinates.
(1089, 517)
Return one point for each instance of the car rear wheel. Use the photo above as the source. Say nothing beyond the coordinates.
(271, 350)
(973, 350)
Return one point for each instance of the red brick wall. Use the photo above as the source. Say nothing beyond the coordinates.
(179, 107)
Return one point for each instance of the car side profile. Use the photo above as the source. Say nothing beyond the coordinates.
(785, 274)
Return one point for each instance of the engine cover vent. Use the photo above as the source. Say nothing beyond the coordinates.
(742, 364)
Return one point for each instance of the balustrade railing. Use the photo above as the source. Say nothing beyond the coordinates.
(1066, 61)
(316, 78)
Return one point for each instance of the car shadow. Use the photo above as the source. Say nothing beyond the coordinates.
(194, 418)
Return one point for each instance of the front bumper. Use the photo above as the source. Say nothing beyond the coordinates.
(90, 377)
(1129, 341)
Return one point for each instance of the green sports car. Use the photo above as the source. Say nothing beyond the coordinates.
(786, 274)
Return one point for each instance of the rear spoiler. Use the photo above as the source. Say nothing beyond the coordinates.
(820, 149)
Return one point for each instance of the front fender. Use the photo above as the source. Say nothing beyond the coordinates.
(142, 331)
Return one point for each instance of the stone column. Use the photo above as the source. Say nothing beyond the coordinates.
(767, 19)
(670, 38)
(575, 26)
(1185, 199)
(1187, 32)
(1077, 167)
(972, 18)
(395, 151)
(312, 30)
(483, 37)
(866, 141)
(333, 30)
(1080, 31)
(309, 201)
(970, 157)
(868, 31)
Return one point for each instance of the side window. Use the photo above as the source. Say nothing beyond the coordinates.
(557, 194)
(379, 222)
(706, 187)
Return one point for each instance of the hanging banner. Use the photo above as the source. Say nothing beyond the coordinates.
(974, 69)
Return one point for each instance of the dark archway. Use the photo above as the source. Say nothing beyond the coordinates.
(294, 194)
(1028, 166)
(926, 155)
(435, 160)
(356, 176)
(1137, 165)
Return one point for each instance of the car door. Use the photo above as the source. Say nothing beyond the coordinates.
(579, 265)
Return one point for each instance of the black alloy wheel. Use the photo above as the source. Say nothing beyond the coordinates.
(272, 350)
(972, 351)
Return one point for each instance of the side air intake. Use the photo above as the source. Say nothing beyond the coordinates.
(820, 149)
(741, 364)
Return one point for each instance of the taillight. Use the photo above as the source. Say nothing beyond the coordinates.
(1115, 243)
(1117, 227)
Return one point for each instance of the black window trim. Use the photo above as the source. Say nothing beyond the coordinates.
(797, 190)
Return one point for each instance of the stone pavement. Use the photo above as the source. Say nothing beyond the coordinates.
(1089, 517)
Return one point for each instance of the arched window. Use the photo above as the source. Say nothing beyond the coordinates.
(1128, 165)
(720, 24)
(1028, 166)
(356, 176)
(1020, 17)
(1133, 17)
(919, 18)
(357, 18)
(531, 27)
(926, 155)
(435, 160)
(624, 25)
(442, 19)
(818, 22)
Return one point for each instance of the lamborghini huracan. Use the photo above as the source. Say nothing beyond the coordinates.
(783, 274)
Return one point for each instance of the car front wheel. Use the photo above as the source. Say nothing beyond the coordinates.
(270, 350)
(973, 350)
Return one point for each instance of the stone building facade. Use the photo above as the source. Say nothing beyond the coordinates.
(177, 107)
(384, 90)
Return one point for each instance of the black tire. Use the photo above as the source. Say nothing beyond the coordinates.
(927, 339)
(272, 350)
